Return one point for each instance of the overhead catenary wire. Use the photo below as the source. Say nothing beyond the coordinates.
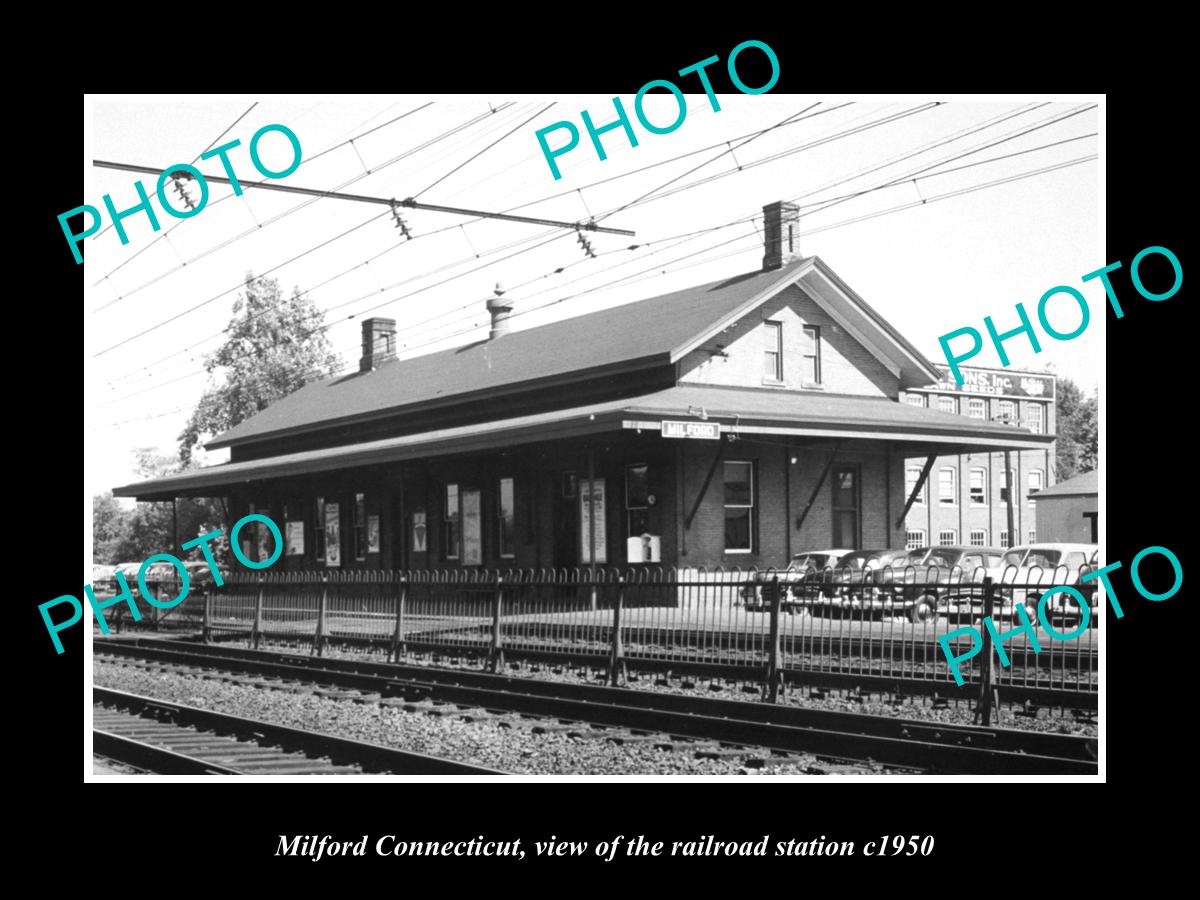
(965, 132)
(662, 266)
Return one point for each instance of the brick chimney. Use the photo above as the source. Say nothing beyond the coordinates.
(500, 309)
(378, 343)
(781, 234)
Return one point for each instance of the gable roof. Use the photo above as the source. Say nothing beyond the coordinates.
(1078, 486)
(656, 331)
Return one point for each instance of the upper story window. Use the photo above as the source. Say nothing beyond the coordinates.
(948, 405)
(976, 408)
(811, 354)
(1008, 412)
(947, 487)
(1037, 481)
(911, 476)
(1035, 418)
(773, 351)
(915, 400)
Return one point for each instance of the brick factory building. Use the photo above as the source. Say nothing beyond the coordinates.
(965, 499)
(729, 424)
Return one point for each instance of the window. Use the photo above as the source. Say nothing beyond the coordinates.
(976, 408)
(947, 537)
(845, 507)
(911, 475)
(319, 528)
(915, 400)
(914, 539)
(948, 405)
(637, 499)
(947, 487)
(506, 534)
(360, 526)
(773, 351)
(1037, 481)
(1004, 539)
(739, 507)
(451, 524)
(978, 538)
(979, 491)
(1035, 418)
(812, 355)
(1032, 535)
(1008, 412)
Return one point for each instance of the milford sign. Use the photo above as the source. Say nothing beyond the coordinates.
(709, 431)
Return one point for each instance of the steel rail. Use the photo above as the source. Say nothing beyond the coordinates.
(893, 742)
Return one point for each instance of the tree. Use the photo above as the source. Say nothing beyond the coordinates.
(110, 528)
(274, 346)
(150, 527)
(1078, 431)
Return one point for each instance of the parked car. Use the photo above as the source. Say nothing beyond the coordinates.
(104, 582)
(1025, 572)
(940, 580)
(859, 581)
(757, 594)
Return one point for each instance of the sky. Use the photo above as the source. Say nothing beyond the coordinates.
(906, 200)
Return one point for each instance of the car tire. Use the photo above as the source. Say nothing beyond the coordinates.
(923, 610)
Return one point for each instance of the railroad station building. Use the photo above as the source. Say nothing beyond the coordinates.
(965, 499)
(729, 424)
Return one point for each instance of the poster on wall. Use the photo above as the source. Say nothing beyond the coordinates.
(585, 519)
(418, 531)
(295, 538)
(472, 529)
(372, 534)
(333, 536)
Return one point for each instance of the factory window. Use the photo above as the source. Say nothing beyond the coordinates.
(360, 526)
(1035, 417)
(947, 487)
(739, 507)
(1004, 539)
(1037, 481)
(1008, 412)
(978, 537)
(914, 539)
(319, 529)
(451, 524)
(812, 355)
(976, 408)
(979, 492)
(915, 400)
(911, 475)
(947, 537)
(1032, 535)
(947, 405)
(845, 507)
(506, 533)
(773, 351)
(637, 499)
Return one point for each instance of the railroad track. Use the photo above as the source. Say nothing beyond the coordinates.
(893, 742)
(172, 739)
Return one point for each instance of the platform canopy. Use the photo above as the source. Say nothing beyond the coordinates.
(914, 431)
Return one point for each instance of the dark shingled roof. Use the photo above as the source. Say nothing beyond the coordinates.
(1080, 485)
(634, 334)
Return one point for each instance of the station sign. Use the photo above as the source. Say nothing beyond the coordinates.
(708, 431)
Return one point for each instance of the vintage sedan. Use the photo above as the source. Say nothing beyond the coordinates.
(1025, 572)
(860, 581)
(942, 581)
(758, 593)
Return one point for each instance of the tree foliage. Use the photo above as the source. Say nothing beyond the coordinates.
(274, 345)
(1078, 431)
(131, 535)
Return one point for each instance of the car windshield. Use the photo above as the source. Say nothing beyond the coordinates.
(945, 559)
(853, 560)
(916, 557)
(1043, 558)
(1013, 558)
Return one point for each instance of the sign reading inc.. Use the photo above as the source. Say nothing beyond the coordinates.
(709, 431)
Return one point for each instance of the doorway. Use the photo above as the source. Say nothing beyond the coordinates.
(845, 506)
